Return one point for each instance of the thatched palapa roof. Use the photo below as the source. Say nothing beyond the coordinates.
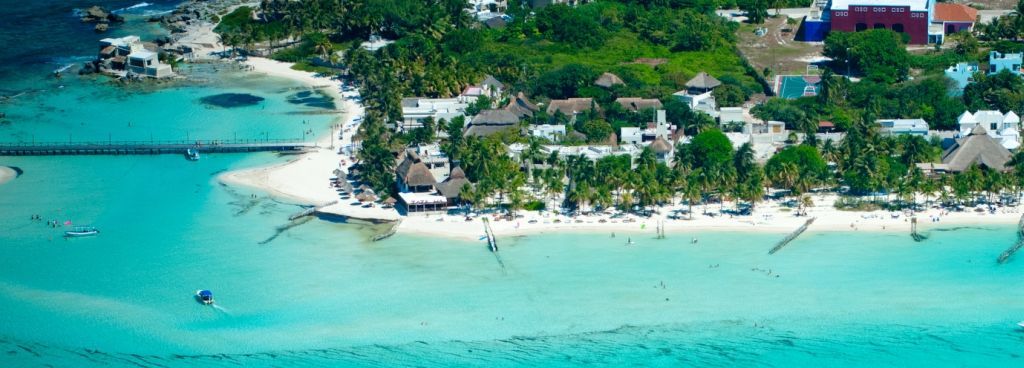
(452, 186)
(977, 148)
(703, 81)
(607, 80)
(570, 107)
(491, 121)
(660, 145)
(635, 104)
(521, 106)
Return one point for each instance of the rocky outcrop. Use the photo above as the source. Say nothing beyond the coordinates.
(97, 14)
(101, 27)
(195, 11)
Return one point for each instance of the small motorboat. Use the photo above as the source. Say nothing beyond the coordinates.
(204, 296)
(192, 154)
(80, 231)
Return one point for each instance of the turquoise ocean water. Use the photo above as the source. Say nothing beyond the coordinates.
(317, 293)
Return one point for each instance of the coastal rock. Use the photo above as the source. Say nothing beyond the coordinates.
(160, 41)
(155, 19)
(94, 14)
(97, 14)
(88, 68)
(101, 27)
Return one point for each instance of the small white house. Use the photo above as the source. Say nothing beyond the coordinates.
(415, 110)
(903, 126)
(658, 129)
(147, 63)
(553, 133)
(1004, 128)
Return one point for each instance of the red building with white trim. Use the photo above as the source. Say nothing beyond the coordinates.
(907, 16)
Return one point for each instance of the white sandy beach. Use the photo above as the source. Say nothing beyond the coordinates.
(767, 217)
(304, 180)
(7, 174)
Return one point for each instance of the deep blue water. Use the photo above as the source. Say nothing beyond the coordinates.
(39, 36)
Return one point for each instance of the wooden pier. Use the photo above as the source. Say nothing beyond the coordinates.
(792, 236)
(150, 147)
(1005, 256)
(492, 241)
(389, 233)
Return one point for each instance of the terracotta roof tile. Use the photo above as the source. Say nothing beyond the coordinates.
(946, 12)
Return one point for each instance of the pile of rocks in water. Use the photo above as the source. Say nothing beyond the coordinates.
(195, 11)
(102, 17)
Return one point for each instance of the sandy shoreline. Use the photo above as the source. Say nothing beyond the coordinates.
(305, 179)
(7, 174)
(767, 218)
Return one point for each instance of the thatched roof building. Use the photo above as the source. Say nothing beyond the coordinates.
(607, 80)
(978, 148)
(521, 106)
(635, 104)
(488, 122)
(703, 81)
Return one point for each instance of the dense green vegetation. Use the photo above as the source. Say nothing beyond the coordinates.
(655, 46)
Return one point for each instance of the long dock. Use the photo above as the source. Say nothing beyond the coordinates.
(792, 236)
(389, 233)
(150, 147)
(1009, 252)
(492, 241)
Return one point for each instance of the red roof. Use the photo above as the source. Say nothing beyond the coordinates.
(946, 12)
(826, 124)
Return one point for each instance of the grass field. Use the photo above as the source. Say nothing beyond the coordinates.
(621, 49)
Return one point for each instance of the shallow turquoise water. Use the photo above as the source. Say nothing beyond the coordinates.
(320, 294)
(316, 293)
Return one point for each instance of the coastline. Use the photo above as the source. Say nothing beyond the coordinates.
(7, 174)
(767, 218)
(305, 179)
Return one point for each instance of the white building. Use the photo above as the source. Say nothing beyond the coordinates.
(704, 102)
(415, 110)
(660, 128)
(553, 133)
(903, 126)
(1004, 128)
(147, 63)
(127, 54)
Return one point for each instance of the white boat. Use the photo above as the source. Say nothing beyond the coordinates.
(192, 154)
(80, 231)
(1021, 324)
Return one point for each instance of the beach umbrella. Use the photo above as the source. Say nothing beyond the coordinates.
(366, 196)
(346, 186)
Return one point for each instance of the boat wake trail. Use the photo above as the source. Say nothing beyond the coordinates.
(222, 309)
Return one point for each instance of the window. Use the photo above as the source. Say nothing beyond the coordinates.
(993, 127)
(898, 10)
(861, 27)
(879, 26)
(842, 13)
(898, 27)
(861, 9)
(878, 9)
